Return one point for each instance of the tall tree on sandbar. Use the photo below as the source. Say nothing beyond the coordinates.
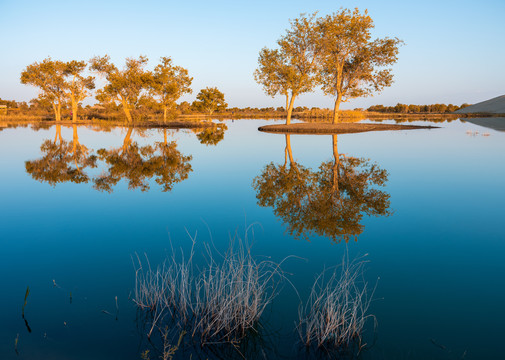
(351, 64)
(290, 70)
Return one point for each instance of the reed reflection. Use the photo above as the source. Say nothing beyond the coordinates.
(330, 201)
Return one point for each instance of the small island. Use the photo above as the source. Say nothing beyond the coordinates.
(338, 128)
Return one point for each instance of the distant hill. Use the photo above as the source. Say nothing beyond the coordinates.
(491, 106)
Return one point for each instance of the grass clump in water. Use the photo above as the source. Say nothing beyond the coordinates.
(217, 303)
(335, 314)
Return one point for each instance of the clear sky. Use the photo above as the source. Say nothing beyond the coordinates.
(454, 50)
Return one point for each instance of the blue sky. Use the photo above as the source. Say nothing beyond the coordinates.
(453, 50)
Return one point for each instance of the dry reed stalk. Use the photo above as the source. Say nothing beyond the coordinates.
(336, 312)
(219, 303)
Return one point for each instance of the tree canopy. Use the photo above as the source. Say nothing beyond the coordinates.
(60, 83)
(124, 87)
(336, 52)
(350, 63)
(290, 70)
(48, 76)
(169, 83)
(77, 86)
(209, 100)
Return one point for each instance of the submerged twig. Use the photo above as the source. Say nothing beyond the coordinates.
(117, 308)
(23, 309)
(16, 341)
(24, 304)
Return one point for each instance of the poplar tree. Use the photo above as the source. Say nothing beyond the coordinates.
(169, 83)
(48, 76)
(77, 86)
(350, 63)
(124, 86)
(290, 70)
(209, 100)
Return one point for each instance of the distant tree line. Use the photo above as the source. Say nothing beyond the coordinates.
(417, 109)
(42, 108)
(12, 104)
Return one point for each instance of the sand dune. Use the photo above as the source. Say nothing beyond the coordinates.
(491, 106)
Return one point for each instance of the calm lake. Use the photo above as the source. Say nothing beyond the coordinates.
(72, 222)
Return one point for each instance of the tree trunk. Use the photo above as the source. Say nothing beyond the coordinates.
(57, 111)
(128, 114)
(165, 137)
(287, 103)
(74, 110)
(336, 165)
(290, 109)
(338, 100)
(58, 115)
(126, 109)
(165, 114)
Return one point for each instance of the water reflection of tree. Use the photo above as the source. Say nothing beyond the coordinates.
(137, 164)
(211, 135)
(329, 202)
(62, 161)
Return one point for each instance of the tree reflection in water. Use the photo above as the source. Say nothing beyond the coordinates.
(62, 161)
(329, 202)
(137, 164)
(211, 135)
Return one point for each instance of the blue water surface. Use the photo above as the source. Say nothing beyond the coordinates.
(436, 261)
